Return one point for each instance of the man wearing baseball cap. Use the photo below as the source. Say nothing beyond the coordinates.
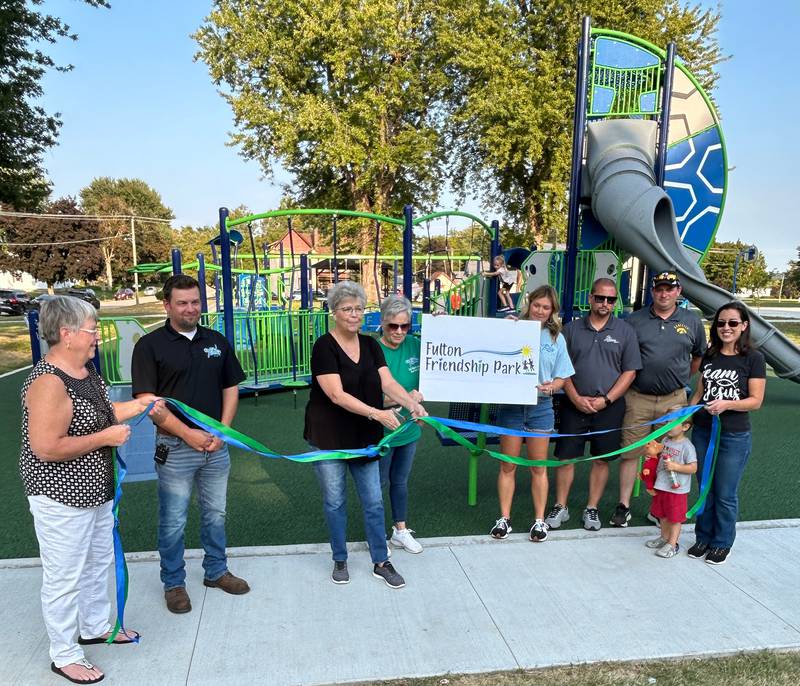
(672, 341)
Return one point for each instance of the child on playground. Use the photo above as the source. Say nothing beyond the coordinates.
(508, 277)
(677, 463)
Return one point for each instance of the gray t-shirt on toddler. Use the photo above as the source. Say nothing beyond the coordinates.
(680, 452)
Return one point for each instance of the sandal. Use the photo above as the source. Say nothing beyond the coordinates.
(84, 663)
(120, 639)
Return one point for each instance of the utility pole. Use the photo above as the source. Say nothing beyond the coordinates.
(135, 260)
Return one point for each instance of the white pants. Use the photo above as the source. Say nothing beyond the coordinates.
(77, 549)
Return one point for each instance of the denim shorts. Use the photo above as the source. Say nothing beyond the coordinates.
(528, 417)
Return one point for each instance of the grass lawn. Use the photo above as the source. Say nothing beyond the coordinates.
(751, 669)
(274, 502)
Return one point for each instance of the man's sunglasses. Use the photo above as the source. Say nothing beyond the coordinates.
(733, 323)
(600, 299)
(398, 327)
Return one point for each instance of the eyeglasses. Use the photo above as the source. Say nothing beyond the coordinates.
(351, 310)
(91, 332)
(733, 323)
(600, 299)
(398, 327)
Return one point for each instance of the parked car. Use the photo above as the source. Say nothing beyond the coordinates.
(150, 290)
(86, 294)
(124, 294)
(14, 302)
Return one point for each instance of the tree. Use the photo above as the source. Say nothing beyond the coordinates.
(344, 95)
(511, 105)
(26, 130)
(51, 249)
(753, 276)
(793, 276)
(719, 262)
(126, 198)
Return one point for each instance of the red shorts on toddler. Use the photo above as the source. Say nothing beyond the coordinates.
(670, 506)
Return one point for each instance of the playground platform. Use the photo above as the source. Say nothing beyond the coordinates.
(471, 604)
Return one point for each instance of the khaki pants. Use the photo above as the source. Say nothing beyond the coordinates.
(641, 408)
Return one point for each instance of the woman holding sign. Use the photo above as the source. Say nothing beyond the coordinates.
(554, 368)
(349, 378)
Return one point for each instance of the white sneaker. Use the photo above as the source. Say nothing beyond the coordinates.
(402, 538)
(557, 516)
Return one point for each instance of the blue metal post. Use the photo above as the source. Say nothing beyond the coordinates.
(176, 261)
(663, 128)
(227, 275)
(201, 279)
(494, 250)
(304, 281)
(645, 295)
(215, 262)
(426, 295)
(408, 251)
(578, 132)
(33, 330)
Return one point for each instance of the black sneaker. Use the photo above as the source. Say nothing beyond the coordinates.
(652, 518)
(340, 575)
(538, 531)
(717, 556)
(389, 575)
(698, 550)
(501, 529)
(621, 516)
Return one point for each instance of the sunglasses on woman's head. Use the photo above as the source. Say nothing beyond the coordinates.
(733, 323)
(600, 299)
(398, 327)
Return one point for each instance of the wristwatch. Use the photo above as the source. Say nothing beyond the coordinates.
(607, 399)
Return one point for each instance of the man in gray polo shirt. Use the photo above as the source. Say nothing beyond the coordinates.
(672, 342)
(605, 354)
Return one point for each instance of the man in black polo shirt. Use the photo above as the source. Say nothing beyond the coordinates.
(672, 341)
(605, 354)
(195, 365)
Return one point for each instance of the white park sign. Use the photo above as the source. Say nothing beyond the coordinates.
(479, 360)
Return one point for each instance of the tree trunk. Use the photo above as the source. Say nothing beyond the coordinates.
(108, 255)
(366, 246)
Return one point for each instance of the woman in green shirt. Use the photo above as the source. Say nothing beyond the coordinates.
(402, 357)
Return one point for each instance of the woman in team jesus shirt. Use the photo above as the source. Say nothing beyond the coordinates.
(732, 382)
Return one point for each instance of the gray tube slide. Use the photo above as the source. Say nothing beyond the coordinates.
(631, 206)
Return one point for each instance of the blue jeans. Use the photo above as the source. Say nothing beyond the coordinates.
(395, 469)
(332, 480)
(184, 468)
(716, 526)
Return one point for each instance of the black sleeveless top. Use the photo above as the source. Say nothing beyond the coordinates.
(87, 480)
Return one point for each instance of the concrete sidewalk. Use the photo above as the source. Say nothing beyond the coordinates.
(471, 605)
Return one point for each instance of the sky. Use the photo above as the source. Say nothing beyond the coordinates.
(138, 105)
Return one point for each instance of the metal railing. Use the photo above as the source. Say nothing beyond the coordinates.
(273, 347)
(463, 300)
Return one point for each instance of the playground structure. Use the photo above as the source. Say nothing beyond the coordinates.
(647, 191)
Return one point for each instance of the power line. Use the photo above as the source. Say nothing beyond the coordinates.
(46, 243)
(88, 217)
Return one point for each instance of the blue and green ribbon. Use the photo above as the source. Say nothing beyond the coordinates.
(443, 426)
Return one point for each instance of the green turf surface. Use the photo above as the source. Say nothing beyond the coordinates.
(273, 502)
